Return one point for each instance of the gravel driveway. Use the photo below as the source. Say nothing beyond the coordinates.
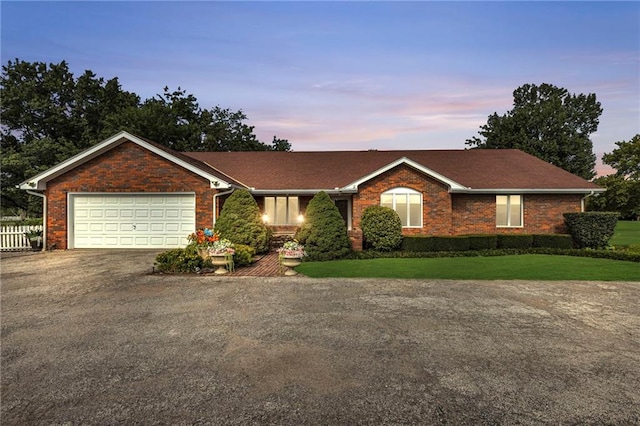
(93, 337)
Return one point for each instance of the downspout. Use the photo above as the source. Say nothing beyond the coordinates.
(44, 216)
(215, 204)
(582, 201)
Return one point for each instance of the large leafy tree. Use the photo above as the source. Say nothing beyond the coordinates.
(548, 122)
(48, 115)
(623, 187)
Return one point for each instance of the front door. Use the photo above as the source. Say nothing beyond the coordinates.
(343, 208)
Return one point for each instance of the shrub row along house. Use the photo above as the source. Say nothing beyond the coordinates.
(129, 192)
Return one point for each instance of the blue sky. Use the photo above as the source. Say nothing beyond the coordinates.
(349, 75)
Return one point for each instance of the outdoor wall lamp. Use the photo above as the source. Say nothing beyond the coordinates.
(300, 218)
(265, 218)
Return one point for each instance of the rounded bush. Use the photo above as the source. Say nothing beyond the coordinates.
(243, 255)
(324, 233)
(591, 229)
(381, 228)
(240, 222)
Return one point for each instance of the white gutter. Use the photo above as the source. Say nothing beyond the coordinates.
(44, 216)
(584, 199)
(215, 204)
(335, 191)
(526, 191)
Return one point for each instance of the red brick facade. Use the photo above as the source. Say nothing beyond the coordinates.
(130, 167)
(458, 214)
(125, 168)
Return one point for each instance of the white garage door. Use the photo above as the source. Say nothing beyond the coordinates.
(132, 220)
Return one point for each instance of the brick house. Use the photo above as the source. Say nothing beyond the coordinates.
(129, 192)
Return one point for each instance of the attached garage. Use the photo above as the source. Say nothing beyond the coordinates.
(131, 220)
(126, 192)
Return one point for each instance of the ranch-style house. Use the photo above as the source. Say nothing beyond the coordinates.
(129, 192)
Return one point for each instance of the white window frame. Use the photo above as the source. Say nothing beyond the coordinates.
(402, 192)
(273, 219)
(509, 206)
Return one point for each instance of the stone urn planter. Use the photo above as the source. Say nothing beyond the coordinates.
(220, 260)
(203, 252)
(291, 262)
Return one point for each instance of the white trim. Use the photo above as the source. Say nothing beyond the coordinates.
(70, 206)
(453, 185)
(39, 181)
(267, 192)
(508, 191)
(403, 190)
(509, 211)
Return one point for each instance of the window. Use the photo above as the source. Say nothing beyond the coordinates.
(508, 210)
(407, 203)
(281, 210)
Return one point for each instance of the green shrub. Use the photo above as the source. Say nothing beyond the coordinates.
(323, 233)
(446, 243)
(381, 228)
(416, 244)
(515, 241)
(591, 229)
(483, 242)
(240, 222)
(181, 260)
(243, 255)
(561, 241)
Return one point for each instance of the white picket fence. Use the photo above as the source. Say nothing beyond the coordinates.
(13, 238)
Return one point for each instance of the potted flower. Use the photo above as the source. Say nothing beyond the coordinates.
(35, 238)
(221, 254)
(203, 239)
(291, 254)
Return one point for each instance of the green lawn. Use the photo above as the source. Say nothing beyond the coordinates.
(521, 267)
(627, 233)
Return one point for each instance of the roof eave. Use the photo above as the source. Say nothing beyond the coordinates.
(453, 185)
(39, 182)
(293, 191)
(528, 191)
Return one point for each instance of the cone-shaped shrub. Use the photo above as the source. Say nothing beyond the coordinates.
(241, 223)
(381, 228)
(324, 233)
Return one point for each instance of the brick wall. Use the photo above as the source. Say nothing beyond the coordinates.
(125, 168)
(456, 214)
(436, 202)
(543, 213)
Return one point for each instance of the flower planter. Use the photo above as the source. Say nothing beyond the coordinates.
(290, 262)
(219, 260)
(36, 244)
(203, 252)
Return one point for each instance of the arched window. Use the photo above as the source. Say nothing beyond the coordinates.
(407, 203)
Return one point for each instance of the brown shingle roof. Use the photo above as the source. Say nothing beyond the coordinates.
(476, 169)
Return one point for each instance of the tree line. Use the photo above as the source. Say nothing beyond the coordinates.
(48, 115)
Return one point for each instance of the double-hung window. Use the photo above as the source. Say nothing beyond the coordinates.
(282, 210)
(407, 203)
(509, 211)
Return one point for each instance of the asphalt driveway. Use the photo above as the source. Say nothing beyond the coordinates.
(93, 337)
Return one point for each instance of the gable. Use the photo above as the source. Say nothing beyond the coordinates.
(39, 182)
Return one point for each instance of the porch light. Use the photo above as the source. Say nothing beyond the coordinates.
(300, 218)
(265, 218)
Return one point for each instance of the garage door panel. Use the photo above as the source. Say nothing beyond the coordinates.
(132, 220)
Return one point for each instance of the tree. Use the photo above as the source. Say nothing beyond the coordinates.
(240, 222)
(47, 115)
(324, 233)
(623, 187)
(625, 158)
(548, 122)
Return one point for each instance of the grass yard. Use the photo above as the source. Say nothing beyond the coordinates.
(627, 233)
(521, 267)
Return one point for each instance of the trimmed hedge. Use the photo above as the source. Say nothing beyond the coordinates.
(591, 229)
(381, 228)
(484, 242)
(240, 222)
(243, 255)
(561, 241)
(181, 260)
(324, 233)
(515, 241)
(601, 254)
